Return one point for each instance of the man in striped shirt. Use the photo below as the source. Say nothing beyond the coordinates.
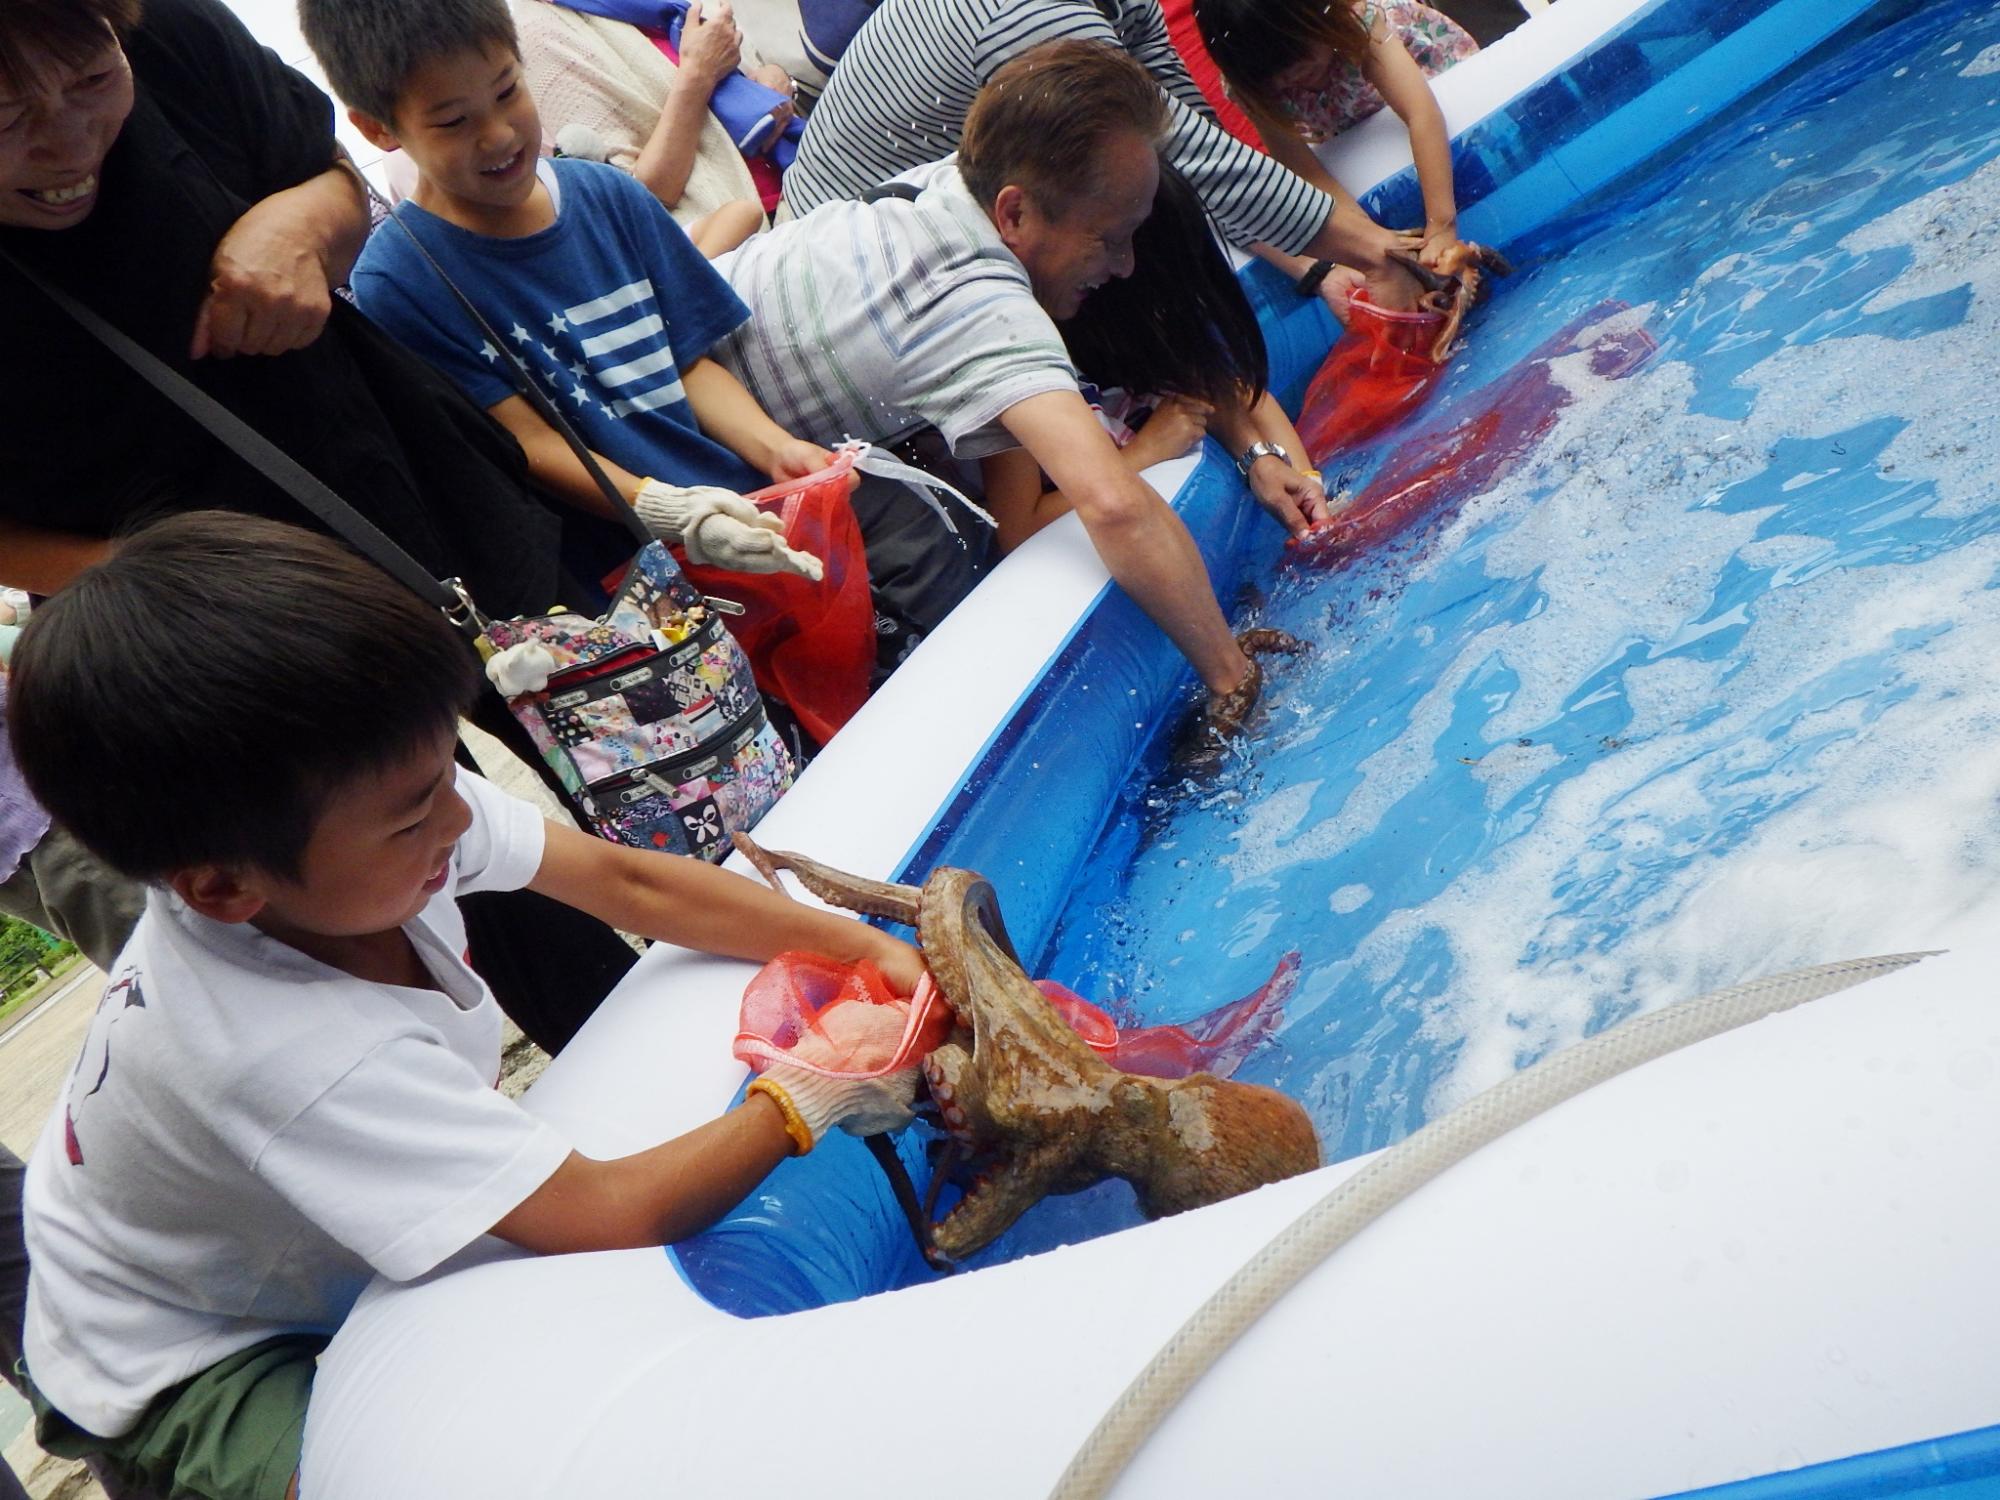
(873, 320)
(901, 92)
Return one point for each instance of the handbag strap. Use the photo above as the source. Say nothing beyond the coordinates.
(267, 458)
(524, 382)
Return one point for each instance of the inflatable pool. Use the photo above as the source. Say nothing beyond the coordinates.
(1757, 1262)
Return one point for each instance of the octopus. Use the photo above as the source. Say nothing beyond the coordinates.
(1453, 287)
(1016, 1087)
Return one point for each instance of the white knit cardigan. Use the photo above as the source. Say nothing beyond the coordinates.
(585, 70)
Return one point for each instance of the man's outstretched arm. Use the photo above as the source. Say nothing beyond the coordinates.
(1144, 544)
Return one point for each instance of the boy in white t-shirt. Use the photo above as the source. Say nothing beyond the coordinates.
(288, 1086)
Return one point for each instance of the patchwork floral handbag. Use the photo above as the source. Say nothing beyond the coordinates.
(650, 715)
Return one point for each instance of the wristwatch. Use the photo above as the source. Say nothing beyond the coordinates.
(1308, 283)
(1259, 450)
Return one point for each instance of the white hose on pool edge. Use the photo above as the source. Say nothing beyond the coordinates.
(1407, 1166)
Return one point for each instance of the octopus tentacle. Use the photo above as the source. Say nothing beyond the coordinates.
(873, 898)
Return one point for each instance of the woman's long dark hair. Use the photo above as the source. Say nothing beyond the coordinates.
(1179, 325)
(1252, 41)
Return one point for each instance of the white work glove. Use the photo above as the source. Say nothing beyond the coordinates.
(721, 530)
(859, 1106)
(525, 668)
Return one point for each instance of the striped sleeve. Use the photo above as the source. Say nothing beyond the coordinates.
(901, 93)
(1251, 196)
(898, 100)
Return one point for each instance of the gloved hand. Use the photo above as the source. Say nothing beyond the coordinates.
(721, 530)
(859, 1106)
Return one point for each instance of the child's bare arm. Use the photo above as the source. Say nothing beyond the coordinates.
(554, 464)
(680, 1187)
(652, 1197)
(1402, 84)
(730, 414)
(695, 905)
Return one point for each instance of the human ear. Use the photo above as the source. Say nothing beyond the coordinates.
(1010, 214)
(382, 137)
(221, 892)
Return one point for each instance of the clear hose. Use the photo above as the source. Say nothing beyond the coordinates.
(1401, 1170)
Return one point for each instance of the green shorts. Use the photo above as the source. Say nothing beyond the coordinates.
(233, 1432)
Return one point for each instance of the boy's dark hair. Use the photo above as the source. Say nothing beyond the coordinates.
(1179, 325)
(1252, 41)
(35, 34)
(370, 48)
(1041, 120)
(198, 698)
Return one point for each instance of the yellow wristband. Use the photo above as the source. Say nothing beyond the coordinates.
(795, 1125)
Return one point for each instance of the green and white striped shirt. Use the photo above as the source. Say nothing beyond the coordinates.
(870, 320)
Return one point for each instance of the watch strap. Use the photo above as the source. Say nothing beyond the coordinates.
(1308, 283)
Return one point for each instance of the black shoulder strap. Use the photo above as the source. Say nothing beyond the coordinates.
(524, 382)
(264, 456)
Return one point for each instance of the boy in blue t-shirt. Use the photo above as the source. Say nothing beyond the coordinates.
(598, 291)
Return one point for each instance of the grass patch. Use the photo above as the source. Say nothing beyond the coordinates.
(28, 994)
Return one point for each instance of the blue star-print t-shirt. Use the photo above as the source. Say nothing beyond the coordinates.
(605, 307)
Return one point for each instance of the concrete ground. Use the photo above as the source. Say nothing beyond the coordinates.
(37, 1051)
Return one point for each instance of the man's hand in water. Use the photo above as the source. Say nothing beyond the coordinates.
(1223, 717)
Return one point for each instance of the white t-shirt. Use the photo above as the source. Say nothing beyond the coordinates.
(869, 320)
(250, 1136)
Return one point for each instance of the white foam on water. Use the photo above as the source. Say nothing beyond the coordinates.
(1506, 769)
(1349, 898)
(1817, 811)
(1953, 239)
(1987, 62)
(1784, 550)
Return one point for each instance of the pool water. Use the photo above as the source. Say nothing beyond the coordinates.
(1696, 685)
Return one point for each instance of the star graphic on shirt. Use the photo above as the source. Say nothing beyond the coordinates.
(580, 396)
(558, 324)
(547, 352)
(488, 351)
(579, 369)
(521, 335)
(553, 377)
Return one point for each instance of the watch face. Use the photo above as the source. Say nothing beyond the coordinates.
(1260, 450)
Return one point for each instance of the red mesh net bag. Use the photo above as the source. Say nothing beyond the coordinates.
(1377, 373)
(800, 993)
(812, 645)
(797, 993)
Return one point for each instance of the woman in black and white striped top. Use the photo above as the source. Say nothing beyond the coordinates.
(899, 96)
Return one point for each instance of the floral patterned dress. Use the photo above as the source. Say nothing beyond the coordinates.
(1323, 108)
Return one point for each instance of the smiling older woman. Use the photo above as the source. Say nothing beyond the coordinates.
(168, 172)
